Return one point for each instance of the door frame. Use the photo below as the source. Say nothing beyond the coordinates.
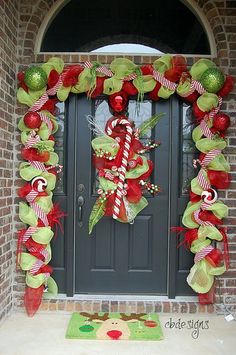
(173, 200)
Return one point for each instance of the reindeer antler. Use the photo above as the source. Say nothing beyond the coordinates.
(133, 316)
(95, 316)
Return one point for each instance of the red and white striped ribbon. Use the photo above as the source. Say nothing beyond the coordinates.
(28, 233)
(87, 64)
(199, 221)
(203, 253)
(47, 120)
(31, 196)
(191, 90)
(124, 161)
(206, 130)
(203, 181)
(37, 165)
(37, 265)
(32, 139)
(38, 104)
(163, 81)
(130, 77)
(54, 89)
(58, 166)
(44, 252)
(102, 69)
(40, 213)
(204, 206)
(109, 176)
(196, 85)
(216, 109)
(210, 156)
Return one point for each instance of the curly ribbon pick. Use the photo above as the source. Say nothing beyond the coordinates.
(124, 162)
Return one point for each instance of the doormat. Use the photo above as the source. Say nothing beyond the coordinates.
(114, 326)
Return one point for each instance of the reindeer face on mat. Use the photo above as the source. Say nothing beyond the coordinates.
(113, 328)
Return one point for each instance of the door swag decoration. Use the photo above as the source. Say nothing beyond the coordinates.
(122, 171)
(41, 87)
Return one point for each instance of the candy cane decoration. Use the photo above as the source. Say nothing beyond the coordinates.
(124, 162)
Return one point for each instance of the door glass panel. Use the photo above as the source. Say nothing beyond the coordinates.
(189, 150)
(60, 143)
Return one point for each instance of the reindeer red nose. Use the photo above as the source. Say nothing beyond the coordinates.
(114, 334)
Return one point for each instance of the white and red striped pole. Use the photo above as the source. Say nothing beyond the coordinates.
(124, 161)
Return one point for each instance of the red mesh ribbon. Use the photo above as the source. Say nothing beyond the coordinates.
(207, 298)
(189, 235)
(54, 218)
(223, 231)
(33, 299)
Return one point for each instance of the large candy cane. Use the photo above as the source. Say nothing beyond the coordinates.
(124, 162)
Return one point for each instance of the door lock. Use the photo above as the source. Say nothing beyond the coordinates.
(81, 188)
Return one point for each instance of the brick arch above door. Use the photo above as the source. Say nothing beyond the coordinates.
(36, 18)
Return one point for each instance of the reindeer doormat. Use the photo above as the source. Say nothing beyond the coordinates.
(114, 326)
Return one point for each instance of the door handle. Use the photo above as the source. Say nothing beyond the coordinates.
(80, 202)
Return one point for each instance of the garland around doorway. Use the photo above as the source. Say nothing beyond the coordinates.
(122, 170)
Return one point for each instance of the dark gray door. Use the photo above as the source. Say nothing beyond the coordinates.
(120, 258)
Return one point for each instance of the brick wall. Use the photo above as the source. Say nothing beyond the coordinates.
(222, 19)
(8, 48)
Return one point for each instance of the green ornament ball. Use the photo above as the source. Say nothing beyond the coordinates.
(212, 80)
(35, 78)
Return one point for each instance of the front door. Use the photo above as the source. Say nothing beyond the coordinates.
(119, 258)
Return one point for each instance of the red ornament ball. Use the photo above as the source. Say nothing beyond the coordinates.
(32, 120)
(221, 122)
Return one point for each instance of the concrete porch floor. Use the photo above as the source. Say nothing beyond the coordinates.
(45, 334)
